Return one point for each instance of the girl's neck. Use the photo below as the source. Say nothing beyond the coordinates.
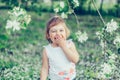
(54, 45)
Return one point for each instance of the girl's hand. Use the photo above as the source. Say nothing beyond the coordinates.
(60, 40)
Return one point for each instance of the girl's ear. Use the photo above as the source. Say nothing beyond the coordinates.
(47, 36)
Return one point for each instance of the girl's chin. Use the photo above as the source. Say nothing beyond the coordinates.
(54, 42)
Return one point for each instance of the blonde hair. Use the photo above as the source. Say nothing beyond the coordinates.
(55, 21)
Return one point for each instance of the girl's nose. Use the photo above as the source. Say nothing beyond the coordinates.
(57, 35)
(57, 32)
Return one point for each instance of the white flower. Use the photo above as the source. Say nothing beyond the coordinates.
(116, 40)
(113, 56)
(6, 71)
(76, 3)
(56, 10)
(101, 75)
(62, 5)
(111, 26)
(16, 8)
(98, 34)
(17, 19)
(9, 24)
(106, 68)
(81, 36)
(27, 19)
(15, 25)
(18, 13)
(63, 15)
(9, 74)
(47, 1)
(103, 44)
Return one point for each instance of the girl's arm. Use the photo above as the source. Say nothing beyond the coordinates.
(44, 69)
(70, 52)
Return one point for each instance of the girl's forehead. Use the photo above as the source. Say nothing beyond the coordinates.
(59, 26)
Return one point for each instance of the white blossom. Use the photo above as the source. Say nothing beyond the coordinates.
(62, 5)
(15, 25)
(101, 75)
(98, 34)
(47, 1)
(113, 56)
(116, 40)
(56, 10)
(27, 19)
(16, 8)
(17, 19)
(76, 3)
(81, 36)
(106, 68)
(63, 15)
(111, 26)
(18, 13)
(102, 44)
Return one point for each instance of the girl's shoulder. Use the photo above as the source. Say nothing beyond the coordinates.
(46, 46)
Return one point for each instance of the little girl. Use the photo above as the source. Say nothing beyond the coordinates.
(60, 55)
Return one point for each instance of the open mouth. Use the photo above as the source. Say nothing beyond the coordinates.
(57, 37)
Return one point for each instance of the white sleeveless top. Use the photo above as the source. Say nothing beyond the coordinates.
(60, 68)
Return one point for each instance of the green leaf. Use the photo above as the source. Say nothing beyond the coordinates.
(109, 52)
(107, 75)
(3, 37)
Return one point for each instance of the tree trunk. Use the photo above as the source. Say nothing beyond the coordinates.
(101, 5)
(89, 6)
(19, 2)
(118, 8)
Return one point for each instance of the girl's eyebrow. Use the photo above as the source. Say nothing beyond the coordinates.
(57, 29)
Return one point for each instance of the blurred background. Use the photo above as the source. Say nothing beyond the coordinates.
(20, 51)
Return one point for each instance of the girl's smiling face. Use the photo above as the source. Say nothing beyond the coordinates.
(56, 32)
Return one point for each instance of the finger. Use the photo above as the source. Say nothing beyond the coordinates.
(63, 37)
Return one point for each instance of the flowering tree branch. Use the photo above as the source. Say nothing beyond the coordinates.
(74, 14)
(99, 12)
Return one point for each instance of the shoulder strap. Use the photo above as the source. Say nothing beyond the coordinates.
(47, 48)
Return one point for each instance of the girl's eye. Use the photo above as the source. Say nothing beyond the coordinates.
(53, 31)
